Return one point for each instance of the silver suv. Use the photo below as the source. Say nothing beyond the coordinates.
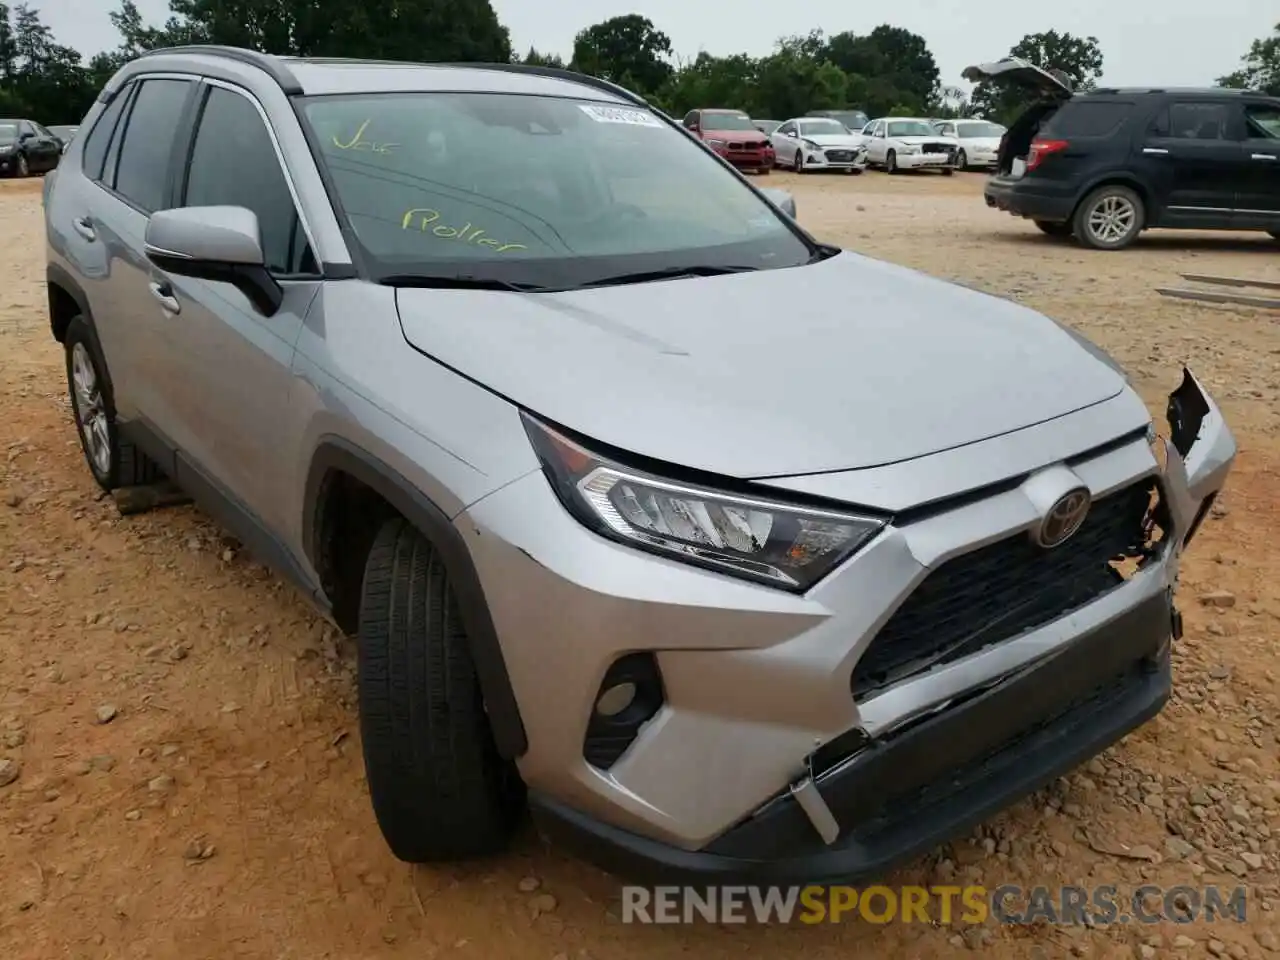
(637, 525)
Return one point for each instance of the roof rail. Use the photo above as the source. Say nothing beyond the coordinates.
(265, 62)
(556, 73)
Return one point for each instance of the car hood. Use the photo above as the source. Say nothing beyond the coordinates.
(745, 136)
(769, 373)
(932, 138)
(1023, 73)
(836, 140)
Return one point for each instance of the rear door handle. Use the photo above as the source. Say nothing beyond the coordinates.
(84, 227)
(163, 292)
(1158, 151)
(1264, 156)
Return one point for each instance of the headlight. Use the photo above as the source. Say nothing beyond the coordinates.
(809, 144)
(791, 547)
(7, 149)
(908, 148)
(713, 142)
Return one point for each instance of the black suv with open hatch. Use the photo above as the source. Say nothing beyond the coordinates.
(1104, 165)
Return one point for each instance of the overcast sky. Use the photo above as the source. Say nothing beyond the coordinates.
(1174, 42)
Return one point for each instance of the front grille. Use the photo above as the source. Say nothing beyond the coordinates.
(839, 155)
(935, 148)
(1002, 590)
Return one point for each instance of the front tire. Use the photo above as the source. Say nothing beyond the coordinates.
(799, 162)
(1110, 218)
(439, 789)
(962, 161)
(23, 167)
(891, 162)
(113, 462)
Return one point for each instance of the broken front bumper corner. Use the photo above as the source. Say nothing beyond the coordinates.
(1199, 453)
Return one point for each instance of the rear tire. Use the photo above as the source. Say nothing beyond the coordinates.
(1054, 229)
(113, 462)
(440, 790)
(1110, 218)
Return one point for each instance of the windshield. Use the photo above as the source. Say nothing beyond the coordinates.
(8, 131)
(822, 128)
(727, 121)
(911, 128)
(974, 128)
(854, 119)
(538, 190)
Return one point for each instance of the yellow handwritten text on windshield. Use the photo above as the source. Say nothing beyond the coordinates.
(359, 143)
(467, 233)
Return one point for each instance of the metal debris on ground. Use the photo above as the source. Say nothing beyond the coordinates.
(1240, 299)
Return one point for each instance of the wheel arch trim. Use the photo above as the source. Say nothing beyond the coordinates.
(333, 453)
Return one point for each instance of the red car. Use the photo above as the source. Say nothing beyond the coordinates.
(731, 134)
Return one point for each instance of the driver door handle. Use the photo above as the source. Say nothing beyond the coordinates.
(163, 292)
(1265, 156)
(84, 227)
(1158, 151)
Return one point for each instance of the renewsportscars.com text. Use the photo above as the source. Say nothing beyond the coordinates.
(1008, 903)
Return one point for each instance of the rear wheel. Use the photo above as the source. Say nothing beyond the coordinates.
(439, 788)
(113, 462)
(1110, 218)
(1054, 229)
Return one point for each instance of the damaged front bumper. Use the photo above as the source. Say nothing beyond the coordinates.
(866, 801)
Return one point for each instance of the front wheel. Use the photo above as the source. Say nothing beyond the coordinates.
(962, 161)
(440, 790)
(891, 162)
(1110, 218)
(24, 168)
(799, 162)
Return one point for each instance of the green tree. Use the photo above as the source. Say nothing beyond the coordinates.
(889, 67)
(1261, 70)
(628, 50)
(41, 79)
(709, 81)
(1080, 59)
(535, 59)
(789, 83)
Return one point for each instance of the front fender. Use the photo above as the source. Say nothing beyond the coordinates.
(1199, 452)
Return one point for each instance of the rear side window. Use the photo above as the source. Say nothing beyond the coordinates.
(95, 144)
(1193, 121)
(234, 163)
(1086, 118)
(142, 172)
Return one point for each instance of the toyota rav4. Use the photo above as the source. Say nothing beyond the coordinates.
(488, 361)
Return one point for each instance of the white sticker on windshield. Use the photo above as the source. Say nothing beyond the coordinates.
(639, 118)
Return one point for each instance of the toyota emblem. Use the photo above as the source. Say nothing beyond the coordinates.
(1063, 519)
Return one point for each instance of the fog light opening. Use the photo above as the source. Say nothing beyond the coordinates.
(615, 699)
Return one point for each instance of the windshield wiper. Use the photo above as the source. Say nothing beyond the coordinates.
(457, 282)
(666, 273)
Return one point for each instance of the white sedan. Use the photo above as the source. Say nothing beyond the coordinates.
(908, 143)
(979, 141)
(817, 143)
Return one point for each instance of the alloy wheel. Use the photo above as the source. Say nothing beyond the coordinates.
(1112, 218)
(90, 409)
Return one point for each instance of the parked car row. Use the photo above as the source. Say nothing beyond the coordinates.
(26, 147)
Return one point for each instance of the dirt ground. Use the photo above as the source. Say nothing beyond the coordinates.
(221, 811)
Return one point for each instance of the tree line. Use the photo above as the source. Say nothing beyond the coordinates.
(889, 70)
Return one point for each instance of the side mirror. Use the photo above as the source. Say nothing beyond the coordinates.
(25, 135)
(781, 199)
(221, 244)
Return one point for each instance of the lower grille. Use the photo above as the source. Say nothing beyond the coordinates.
(1002, 590)
(839, 155)
(935, 148)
